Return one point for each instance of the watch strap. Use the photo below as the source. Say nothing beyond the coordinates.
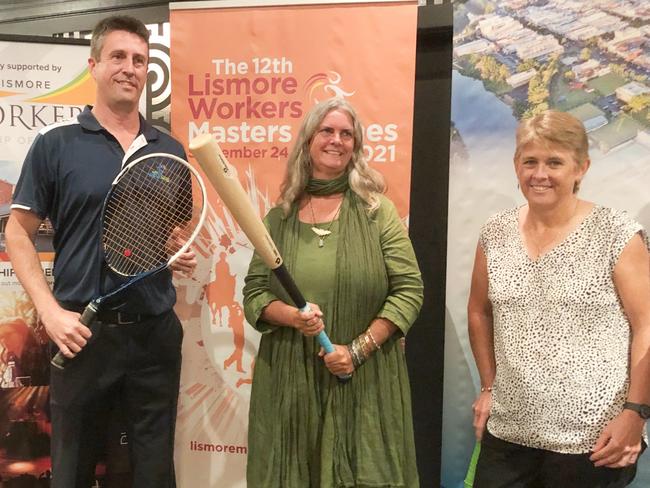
(641, 408)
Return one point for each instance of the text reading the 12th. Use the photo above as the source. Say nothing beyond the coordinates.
(261, 66)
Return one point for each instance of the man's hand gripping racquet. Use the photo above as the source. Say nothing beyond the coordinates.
(224, 179)
(151, 215)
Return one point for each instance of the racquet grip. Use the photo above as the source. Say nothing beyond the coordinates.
(60, 361)
(289, 285)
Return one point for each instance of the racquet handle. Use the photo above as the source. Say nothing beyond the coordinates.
(286, 280)
(60, 361)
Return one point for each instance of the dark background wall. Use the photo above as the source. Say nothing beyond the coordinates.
(44, 17)
(428, 229)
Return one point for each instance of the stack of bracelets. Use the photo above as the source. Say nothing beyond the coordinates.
(362, 348)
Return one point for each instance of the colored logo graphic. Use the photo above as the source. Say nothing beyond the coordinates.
(159, 174)
(78, 91)
(321, 87)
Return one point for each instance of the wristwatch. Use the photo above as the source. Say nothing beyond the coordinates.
(641, 408)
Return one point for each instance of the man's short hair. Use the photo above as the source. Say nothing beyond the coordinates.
(115, 23)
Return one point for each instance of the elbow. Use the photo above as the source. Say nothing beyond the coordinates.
(418, 296)
(479, 305)
(19, 230)
(417, 292)
(479, 324)
(11, 237)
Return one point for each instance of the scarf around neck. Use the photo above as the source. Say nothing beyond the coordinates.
(361, 288)
(318, 187)
(358, 249)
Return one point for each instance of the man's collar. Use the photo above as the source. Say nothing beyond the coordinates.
(89, 122)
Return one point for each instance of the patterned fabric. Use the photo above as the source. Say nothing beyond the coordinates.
(561, 337)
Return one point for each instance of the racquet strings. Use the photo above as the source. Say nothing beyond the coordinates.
(149, 214)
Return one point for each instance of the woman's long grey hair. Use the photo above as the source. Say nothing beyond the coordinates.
(364, 181)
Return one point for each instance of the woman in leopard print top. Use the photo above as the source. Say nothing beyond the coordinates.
(559, 323)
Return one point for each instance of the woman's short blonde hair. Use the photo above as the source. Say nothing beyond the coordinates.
(554, 127)
(364, 181)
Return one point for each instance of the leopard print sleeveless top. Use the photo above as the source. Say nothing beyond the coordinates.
(561, 336)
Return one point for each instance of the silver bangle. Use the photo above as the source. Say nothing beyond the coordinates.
(377, 346)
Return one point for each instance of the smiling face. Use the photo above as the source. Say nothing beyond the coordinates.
(547, 172)
(332, 145)
(121, 70)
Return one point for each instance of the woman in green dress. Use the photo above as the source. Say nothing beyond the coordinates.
(350, 255)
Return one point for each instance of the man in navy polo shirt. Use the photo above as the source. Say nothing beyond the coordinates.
(135, 351)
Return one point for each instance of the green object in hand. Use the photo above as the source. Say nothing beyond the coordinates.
(471, 470)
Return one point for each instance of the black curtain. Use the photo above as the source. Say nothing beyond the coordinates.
(428, 230)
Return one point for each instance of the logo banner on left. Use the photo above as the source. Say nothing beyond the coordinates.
(41, 83)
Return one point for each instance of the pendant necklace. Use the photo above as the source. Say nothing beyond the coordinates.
(322, 233)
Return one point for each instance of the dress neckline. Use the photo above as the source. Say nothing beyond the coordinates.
(578, 227)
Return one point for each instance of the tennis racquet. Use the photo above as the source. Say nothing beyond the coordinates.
(224, 179)
(151, 215)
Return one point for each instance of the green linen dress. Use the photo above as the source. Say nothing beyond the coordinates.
(307, 430)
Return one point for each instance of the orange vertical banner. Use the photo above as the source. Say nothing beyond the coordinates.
(247, 75)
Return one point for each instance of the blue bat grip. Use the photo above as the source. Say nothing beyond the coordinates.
(323, 340)
(326, 344)
(289, 285)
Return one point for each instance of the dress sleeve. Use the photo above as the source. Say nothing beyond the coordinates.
(405, 292)
(482, 238)
(494, 231)
(257, 291)
(623, 229)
